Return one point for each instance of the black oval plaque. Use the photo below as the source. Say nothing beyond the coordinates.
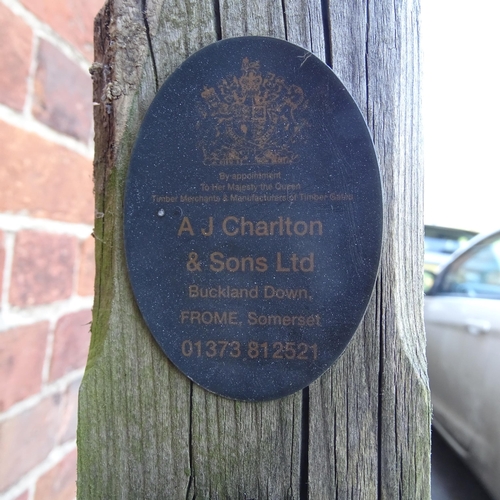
(253, 218)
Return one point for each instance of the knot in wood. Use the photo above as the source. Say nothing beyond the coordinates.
(113, 91)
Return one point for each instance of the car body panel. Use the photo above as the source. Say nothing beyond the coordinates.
(440, 243)
(462, 317)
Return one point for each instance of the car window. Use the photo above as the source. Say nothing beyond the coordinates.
(477, 274)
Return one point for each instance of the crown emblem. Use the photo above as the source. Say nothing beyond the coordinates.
(251, 119)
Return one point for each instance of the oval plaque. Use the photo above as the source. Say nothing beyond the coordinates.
(253, 218)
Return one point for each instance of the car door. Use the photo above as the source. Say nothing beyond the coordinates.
(462, 317)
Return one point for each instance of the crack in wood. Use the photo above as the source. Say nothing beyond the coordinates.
(377, 297)
(283, 10)
(150, 42)
(217, 20)
(304, 447)
(325, 14)
(191, 487)
(367, 46)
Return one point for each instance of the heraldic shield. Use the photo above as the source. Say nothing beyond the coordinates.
(253, 118)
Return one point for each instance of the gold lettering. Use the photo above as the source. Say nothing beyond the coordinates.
(209, 317)
(302, 230)
(261, 264)
(223, 292)
(185, 227)
(279, 266)
(241, 226)
(270, 292)
(210, 230)
(225, 222)
(247, 224)
(254, 319)
(318, 224)
(307, 264)
(304, 264)
(273, 224)
(261, 228)
(217, 264)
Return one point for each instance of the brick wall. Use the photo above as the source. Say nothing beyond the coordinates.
(46, 248)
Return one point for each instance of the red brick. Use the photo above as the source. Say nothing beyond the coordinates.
(16, 40)
(71, 343)
(22, 352)
(43, 268)
(87, 267)
(68, 414)
(73, 19)
(2, 264)
(59, 483)
(63, 93)
(27, 438)
(42, 179)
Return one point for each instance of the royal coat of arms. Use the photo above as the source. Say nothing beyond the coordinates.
(251, 119)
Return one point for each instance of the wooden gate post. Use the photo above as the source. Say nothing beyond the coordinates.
(362, 431)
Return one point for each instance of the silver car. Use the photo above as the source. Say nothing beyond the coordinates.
(462, 319)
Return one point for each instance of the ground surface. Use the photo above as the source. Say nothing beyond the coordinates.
(451, 479)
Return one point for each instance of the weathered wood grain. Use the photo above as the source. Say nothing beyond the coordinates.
(373, 428)
(252, 17)
(362, 430)
(304, 25)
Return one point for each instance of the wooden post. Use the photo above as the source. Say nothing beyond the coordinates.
(362, 431)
